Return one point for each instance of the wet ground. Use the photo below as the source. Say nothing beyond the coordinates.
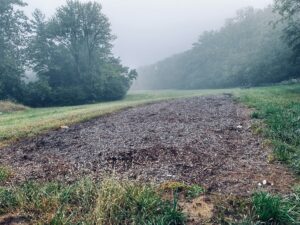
(201, 140)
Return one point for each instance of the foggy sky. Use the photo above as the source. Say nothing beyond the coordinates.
(150, 30)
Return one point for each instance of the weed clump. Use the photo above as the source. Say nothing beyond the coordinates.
(273, 209)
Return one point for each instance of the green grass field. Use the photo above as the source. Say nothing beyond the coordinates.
(276, 111)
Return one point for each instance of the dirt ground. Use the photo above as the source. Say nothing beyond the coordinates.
(201, 140)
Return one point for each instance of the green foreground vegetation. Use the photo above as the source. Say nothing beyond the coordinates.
(126, 202)
(278, 113)
(86, 202)
(276, 110)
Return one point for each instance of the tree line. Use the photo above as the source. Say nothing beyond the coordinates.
(70, 53)
(256, 47)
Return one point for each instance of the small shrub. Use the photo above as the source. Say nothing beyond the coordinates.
(271, 208)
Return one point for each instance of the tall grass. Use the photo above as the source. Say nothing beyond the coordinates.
(110, 202)
(132, 203)
(272, 209)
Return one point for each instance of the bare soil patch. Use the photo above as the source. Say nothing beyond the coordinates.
(12, 219)
(201, 140)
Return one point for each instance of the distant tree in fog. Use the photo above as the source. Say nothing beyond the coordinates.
(246, 51)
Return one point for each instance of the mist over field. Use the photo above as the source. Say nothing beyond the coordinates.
(150, 30)
(157, 112)
(73, 52)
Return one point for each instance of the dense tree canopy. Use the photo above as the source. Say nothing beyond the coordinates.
(290, 12)
(13, 30)
(70, 54)
(247, 51)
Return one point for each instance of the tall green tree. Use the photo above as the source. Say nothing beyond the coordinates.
(72, 55)
(14, 29)
(290, 12)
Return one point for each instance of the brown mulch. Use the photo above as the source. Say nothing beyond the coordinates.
(201, 140)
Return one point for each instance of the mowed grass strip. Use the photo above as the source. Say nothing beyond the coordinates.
(278, 108)
(30, 122)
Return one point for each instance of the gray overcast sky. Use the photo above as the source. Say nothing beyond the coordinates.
(150, 30)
